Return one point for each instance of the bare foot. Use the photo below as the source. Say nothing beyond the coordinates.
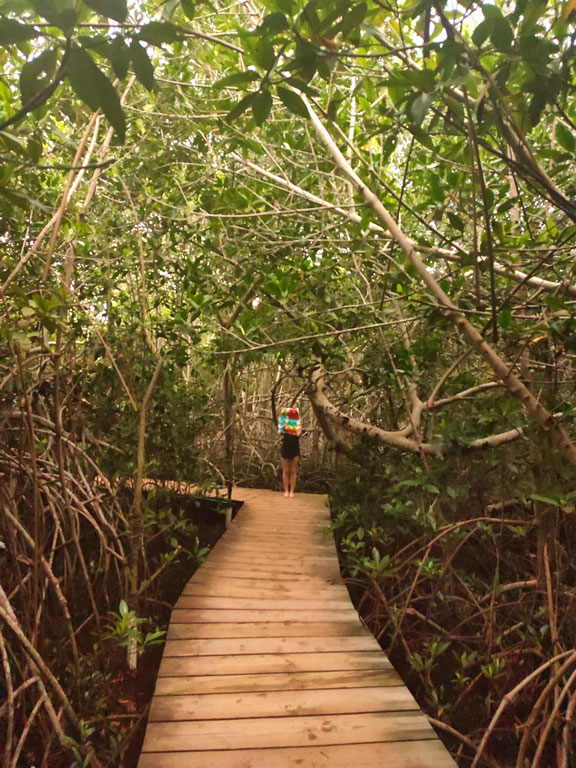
(285, 494)
(290, 495)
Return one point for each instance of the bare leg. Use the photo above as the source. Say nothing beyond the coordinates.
(286, 476)
(293, 473)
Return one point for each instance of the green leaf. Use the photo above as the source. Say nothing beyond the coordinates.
(421, 136)
(507, 205)
(293, 102)
(482, 32)
(505, 319)
(31, 79)
(328, 26)
(491, 12)
(189, 8)
(565, 137)
(502, 35)
(423, 79)
(142, 65)
(555, 303)
(123, 607)
(274, 23)
(119, 56)
(241, 107)
(169, 8)
(111, 9)
(305, 61)
(353, 19)
(158, 32)
(288, 6)
(261, 106)
(536, 107)
(420, 107)
(264, 54)
(22, 200)
(456, 221)
(14, 143)
(237, 78)
(545, 499)
(94, 89)
(61, 13)
(35, 147)
(12, 31)
(376, 33)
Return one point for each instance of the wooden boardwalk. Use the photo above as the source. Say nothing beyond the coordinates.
(267, 665)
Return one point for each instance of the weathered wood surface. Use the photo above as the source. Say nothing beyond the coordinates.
(267, 665)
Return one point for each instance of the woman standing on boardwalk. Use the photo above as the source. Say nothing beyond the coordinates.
(290, 428)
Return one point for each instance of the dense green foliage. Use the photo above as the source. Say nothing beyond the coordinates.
(371, 206)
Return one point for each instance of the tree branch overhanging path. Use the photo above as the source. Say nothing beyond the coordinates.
(501, 369)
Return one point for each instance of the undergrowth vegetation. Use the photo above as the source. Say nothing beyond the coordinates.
(443, 566)
(78, 662)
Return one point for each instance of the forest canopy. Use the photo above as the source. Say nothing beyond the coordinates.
(211, 210)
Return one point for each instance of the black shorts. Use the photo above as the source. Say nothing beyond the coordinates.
(290, 446)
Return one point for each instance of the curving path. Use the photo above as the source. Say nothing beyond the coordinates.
(267, 665)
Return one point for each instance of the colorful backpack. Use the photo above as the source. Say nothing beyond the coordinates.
(289, 422)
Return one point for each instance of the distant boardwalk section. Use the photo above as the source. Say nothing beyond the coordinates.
(267, 664)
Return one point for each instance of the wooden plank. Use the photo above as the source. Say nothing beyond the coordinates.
(286, 522)
(403, 754)
(229, 569)
(247, 617)
(306, 541)
(308, 535)
(269, 572)
(297, 537)
(236, 647)
(246, 581)
(262, 603)
(223, 588)
(335, 701)
(270, 560)
(286, 731)
(269, 553)
(253, 556)
(315, 531)
(229, 572)
(280, 681)
(314, 566)
(281, 529)
(265, 629)
(176, 666)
